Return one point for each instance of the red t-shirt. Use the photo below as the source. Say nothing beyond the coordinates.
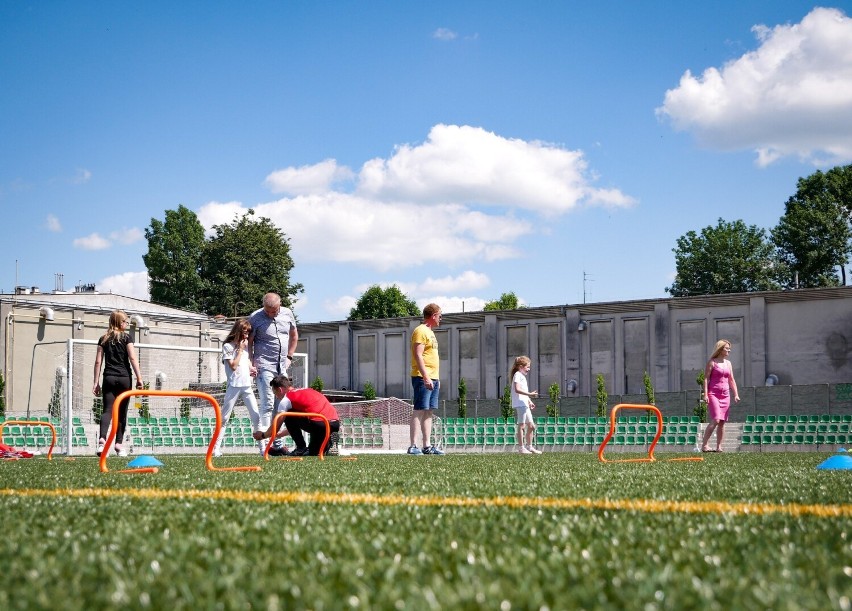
(313, 402)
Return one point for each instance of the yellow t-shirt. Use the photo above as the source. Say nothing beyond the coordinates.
(424, 335)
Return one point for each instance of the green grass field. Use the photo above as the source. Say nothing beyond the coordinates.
(498, 531)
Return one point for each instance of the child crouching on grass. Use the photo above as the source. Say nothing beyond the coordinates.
(523, 405)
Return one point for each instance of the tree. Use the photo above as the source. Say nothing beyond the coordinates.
(462, 398)
(377, 302)
(175, 248)
(244, 260)
(727, 258)
(813, 236)
(602, 397)
(507, 301)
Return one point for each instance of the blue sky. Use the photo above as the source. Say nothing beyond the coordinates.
(457, 149)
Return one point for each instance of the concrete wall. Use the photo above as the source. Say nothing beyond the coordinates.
(799, 336)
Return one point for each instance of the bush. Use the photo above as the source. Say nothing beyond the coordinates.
(2, 395)
(462, 398)
(369, 390)
(553, 404)
(603, 398)
(649, 391)
(506, 410)
(700, 409)
(317, 384)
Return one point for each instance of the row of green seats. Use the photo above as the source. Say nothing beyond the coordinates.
(797, 418)
(798, 439)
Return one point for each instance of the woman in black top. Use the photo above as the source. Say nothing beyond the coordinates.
(116, 352)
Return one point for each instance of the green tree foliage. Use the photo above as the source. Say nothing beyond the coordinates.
(506, 409)
(2, 395)
(244, 260)
(602, 397)
(54, 407)
(700, 409)
(507, 301)
(175, 248)
(727, 258)
(98, 409)
(813, 236)
(377, 302)
(462, 398)
(369, 391)
(553, 404)
(317, 384)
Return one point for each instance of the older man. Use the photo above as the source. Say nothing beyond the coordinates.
(271, 346)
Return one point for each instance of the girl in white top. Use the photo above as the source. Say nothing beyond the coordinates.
(239, 370)
(523, 405)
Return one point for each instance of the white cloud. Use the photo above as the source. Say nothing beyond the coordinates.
(127, 236)
(129, 284)
(428, 291)
(444, 34)
(453, 200)
(467, 281)
(308, 179)
(92, 242)
(81, 176)
(450, 304)
(470, 165)
(791, 96)
(339, 308)
(53, 224)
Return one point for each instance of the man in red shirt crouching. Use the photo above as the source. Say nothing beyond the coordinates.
(302, 400)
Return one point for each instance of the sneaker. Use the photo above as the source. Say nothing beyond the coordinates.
(534, 450)
(282, 451)
(299, 452)
(433, 450)
(120, 450)
(101, 444)
(414, 450)
(523, 450)
(217, 453)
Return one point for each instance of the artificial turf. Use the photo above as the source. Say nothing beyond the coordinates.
(496, 531)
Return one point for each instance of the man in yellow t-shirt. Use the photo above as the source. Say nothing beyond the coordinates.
(424, 379)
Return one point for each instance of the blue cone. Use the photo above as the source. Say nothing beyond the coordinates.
(144, 461)
(839, 461)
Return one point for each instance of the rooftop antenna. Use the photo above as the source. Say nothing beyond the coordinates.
(586, 279)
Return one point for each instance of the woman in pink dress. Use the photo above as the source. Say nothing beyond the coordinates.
(718, 384)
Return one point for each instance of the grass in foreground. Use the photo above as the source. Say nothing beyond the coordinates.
(501, 531)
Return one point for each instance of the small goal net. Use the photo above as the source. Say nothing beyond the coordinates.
(160, 424)
(379, 424)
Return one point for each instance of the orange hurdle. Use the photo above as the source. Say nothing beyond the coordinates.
(281, 415)
(613, 422)
(34, 423)
(168, 393)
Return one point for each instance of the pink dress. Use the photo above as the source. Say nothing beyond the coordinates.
(719, 391)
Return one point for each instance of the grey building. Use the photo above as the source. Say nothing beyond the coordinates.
(779, 338)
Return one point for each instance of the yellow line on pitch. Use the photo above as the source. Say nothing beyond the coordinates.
(343, 498)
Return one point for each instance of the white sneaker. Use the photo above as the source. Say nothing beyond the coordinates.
(523, 450)
(217, 453)
(101, 444)
(534, 450)
(121, 450)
